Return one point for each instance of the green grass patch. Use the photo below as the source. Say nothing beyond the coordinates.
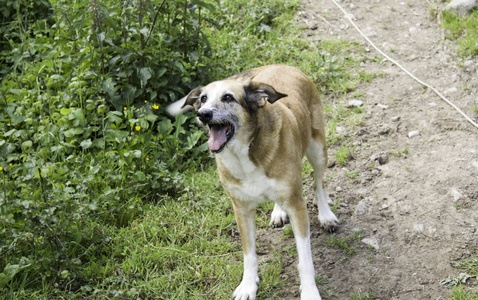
(464, 30)
(343, 155)
(359, 295)
(344, 243)
(462, 293)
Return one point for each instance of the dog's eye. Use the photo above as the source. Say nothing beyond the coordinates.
(203, 98)
(228, 98)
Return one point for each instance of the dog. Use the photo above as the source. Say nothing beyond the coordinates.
(260, 124)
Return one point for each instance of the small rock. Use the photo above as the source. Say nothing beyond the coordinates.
(384, 129)
(396, 119)
(462, 7)
(371, 242)
(383, 106)
(456, 194)
(418, 227)
(354, 103)
(405, 209)
(381, 158)
(475, 164)
(361, 209)
(450, 90)
(469, 66)
(413, 134)
(331, 162)
(338, 189)
(385, 206)
(341, 131)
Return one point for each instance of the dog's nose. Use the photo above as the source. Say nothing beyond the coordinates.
(205, 115)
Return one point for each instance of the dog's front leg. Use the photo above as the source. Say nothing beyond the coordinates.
(298, 215)
(245, 214)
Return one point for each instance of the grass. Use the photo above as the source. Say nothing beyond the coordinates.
(343, 243)
(400, 153)
(469, 267)
(462, 293)
(343, 155)
(463, 30)
(359, 295)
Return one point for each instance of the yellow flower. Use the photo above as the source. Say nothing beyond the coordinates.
(11, 165)
(145, 101)
(138, 128)
(1, 169)
(155, 106)
(124, 108)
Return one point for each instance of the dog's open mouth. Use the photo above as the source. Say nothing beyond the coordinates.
(219, 135)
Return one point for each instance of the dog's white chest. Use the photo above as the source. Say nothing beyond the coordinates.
(252, 183)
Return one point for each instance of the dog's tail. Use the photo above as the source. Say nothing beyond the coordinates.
(178, 107)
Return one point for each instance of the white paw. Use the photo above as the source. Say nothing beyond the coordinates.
(246, 290)
(310, 293)
(278, 217)
(329, 221)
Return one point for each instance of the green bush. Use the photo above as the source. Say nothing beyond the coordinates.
(84, 139)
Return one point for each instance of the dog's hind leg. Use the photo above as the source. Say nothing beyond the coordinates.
(245, 218)
(278, 217)
(317, 156)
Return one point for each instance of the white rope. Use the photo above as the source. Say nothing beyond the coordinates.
(405, 70)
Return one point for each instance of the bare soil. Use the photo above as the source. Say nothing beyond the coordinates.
(417, 200)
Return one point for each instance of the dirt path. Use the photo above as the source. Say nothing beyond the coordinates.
(419, 204)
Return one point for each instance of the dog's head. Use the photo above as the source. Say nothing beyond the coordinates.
(224, 108)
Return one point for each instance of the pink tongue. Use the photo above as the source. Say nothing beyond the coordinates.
(217, 137)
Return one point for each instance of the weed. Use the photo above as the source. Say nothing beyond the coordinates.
(343, 155)
(288, 232)
(352, 175)
(336, 204)
(400, 153)
(270, 278)
(469, 265)
(343, 243)
(359, 295)
(463, 30)
(460, 293)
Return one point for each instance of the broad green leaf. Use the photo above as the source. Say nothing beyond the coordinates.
(86, 144)
(144, 75)
(140, 176)
(65, 111)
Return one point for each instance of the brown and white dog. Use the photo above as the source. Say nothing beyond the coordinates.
(259, 142)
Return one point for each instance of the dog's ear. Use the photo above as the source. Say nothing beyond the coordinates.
(193, 98)
(259, 93)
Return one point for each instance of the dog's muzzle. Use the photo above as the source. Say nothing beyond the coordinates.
(220, 131)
